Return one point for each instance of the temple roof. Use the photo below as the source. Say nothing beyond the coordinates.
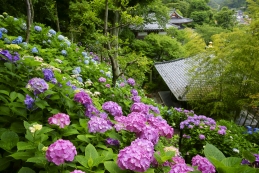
(152, 27)
(176, 74)
(176, 18)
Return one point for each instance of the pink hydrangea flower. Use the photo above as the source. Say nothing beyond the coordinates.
(97, 124)
(136, 157)
(102, 80)
(135, 122)
(113, 108)
(149, 133)
(131, 81)
(203, 164)
(60, 120)
(139, 107)
(77, 171)
(61, 151)
(176, 160)
(83, 98)
(181, 168)
(162, 126)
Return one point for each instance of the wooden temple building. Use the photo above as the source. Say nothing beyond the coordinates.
(176, 20)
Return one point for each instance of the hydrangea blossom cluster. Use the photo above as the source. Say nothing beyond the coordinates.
(52, 32)
(102, 80)
(3, 30)
(60, 120)
(38, 28)
(113, 108)
(29, 102)
(34, 50)
(98, 124)
(176, 160)
(202, 137)
(154, 109)
(195, 120)
(91, 111)
(203, 164)
(149, 133)
(18, 40)
(37, 85)
(9, 56)
(181, 168)
(61, 151)
(1, 35)
(222, 130)
(77, 171)
(161, 125)
(64, 52)
(48, 74)
(139, 107)
(131, 81)
(113, 142)
(134, 92)
(83, 98)
(136, 99)
(61, 37)
(136, 157)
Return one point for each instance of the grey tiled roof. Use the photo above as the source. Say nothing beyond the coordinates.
(180, 20)
(175, 73)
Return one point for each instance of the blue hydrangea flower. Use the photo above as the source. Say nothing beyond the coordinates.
(75, 71)
(38, 28)
(1, 34)
(86, 62)
(29, 102)
(79, 79)
(102, 71)
(34, 50)
(18, 40)
(84, 54)
(3, 30)
(44, 42)
(78, 69)
(93, 60)
(68, 43)
(64, 52)
(48, 74)
(61, 37)
(52, 32)
(49, 41)
(15, 19)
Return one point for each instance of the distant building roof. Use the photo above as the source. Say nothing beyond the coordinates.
(176, 18)
(176, 75)
(152, 27)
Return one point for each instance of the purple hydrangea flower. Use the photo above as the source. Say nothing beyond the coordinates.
(122, 84)
(136, 157)
(102, 80)
(134, 92)
(203, 164)
(83, 98)
(186, 136)
(113, 142)
(131, 81)
(221, 132)
(61, 151)
(181, 168)
(149, 133)
(97, 124)
(139, 107)
(9, 56)
(37, 85)
(136, 99)
(202, 137)
(29, 102)
(48, 74)
(161, 125)
(113, 108)
(91, 111)
(77, 171)
(107, 85)
(60, 120)
(135, 122)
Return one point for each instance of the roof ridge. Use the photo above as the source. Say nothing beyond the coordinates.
(165, 62)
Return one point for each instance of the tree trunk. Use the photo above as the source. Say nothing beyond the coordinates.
(32, 11)
(106, 18)
(28, 21)
(56, 15)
